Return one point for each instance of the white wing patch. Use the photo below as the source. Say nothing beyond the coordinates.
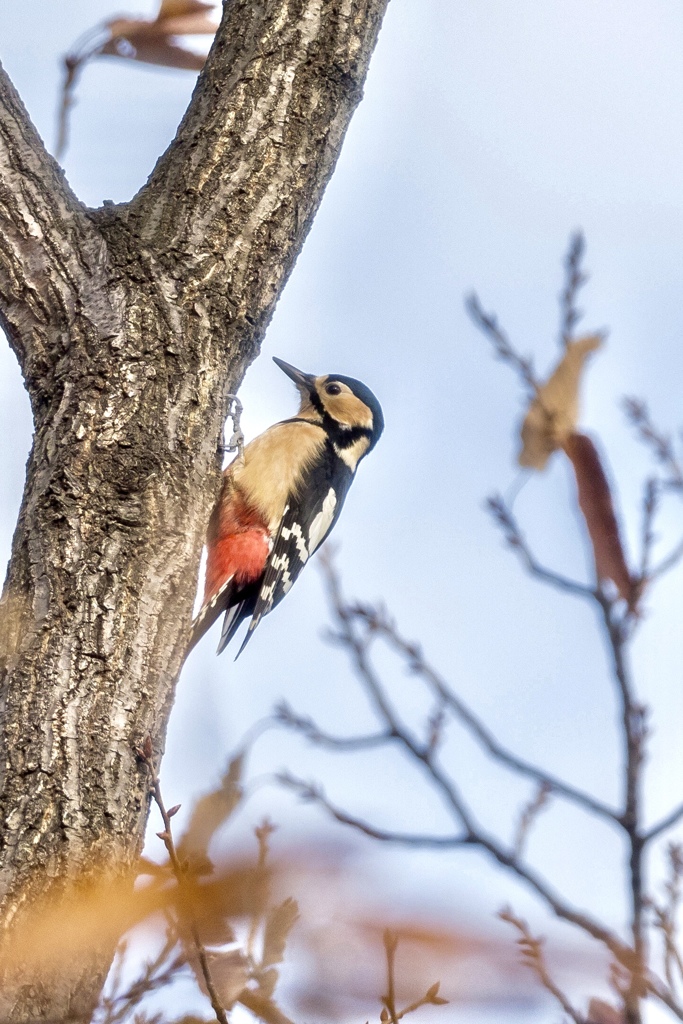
(322, 521)
(297, 533)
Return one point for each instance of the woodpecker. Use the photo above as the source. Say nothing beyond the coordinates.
(280, 499)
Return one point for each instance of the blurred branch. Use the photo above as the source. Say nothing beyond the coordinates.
(531, 950)
(389, 1000)
(263, 1008)
(666, 916)
(660, 444)
(635, 732)
(473, 834)
(284, 715)
(515, 539)
(312, 793)
(651, 502)
(669, 563)
(156, 974)
(145, 755)
(665, 824)
(575, 278)
(488, 325)
(390, 1015)
(529, 815)
(378, 623)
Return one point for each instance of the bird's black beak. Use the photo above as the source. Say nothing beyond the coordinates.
(304, 381)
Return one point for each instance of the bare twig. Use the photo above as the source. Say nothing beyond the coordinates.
(531, 950)
(155, 975)
(262, 1008)
(286, 716)
(263, 833)
(666, 917)
(377, 623)
(515, 538)
(476, 836)
(668, 563)
(529, 815)
(314, 794)
(575, 279)
(660, 444)
(664, 825)
(145, 754)
(656, 987)
(389, 1000)
(635, 731)
(651, 498)
(488, 324)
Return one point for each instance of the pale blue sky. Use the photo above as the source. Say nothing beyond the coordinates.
(489, 131)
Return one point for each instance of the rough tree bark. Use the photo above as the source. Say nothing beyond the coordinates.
(131, 324)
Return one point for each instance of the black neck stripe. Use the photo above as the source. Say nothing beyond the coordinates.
(346, 437)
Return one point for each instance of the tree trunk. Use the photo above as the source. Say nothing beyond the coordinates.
(132, 324)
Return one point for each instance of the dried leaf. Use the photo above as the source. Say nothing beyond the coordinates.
(554, 410)
(209, 813)
(267, 981)
(66, 926)
(155, 50)
(600, 1012)
(279, 923)
(595, 502)
(151, 41)
(264, 1009)
(179, 8)
(229, 972)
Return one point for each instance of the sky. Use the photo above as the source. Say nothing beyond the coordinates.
(488, 133)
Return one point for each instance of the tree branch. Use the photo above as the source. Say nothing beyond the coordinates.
(257, 146)
(664, 825)
(51, 256)
(379, 624)
(313, 794)
(476, 836)
(515, 539)
(284, 715)
(148, 313)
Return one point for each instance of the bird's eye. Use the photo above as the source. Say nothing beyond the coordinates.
(332, 389)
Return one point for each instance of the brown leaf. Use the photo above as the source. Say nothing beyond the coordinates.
(553, 413)
(595, 502)
(229, 972)
(154, 50)
(97, 910)
(179, 8)
(210, 812)
(600, 1012)
(279, 923)
(267, 982)
(264, 1009)
(188, 25)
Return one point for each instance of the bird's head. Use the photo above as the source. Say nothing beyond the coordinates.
(336, 402)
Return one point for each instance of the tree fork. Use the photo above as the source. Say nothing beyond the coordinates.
(132, 324)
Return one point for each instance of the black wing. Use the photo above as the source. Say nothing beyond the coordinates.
(306, 522)
(212, 611)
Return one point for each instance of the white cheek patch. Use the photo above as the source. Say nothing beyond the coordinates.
(354, 453)
(322, 521)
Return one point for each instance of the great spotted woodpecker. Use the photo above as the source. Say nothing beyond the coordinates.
(279, 501)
